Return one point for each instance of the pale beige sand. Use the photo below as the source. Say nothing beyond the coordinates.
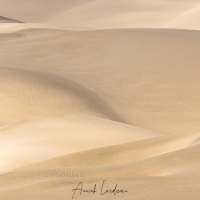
(94, 90)
(147, 78)
(97, 14)
(42, 139)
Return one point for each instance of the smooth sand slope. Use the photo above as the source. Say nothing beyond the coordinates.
(95, 14)
(144, 77)
(41, 139)
(94, 90)
(125, 153)
(58, 87)
(37, 94)
(168, 164)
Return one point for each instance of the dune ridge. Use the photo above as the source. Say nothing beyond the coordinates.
(41, 92)
(53, 136)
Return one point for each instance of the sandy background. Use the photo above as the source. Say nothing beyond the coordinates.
(94, 90)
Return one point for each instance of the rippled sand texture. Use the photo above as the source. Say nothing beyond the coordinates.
(94, 90)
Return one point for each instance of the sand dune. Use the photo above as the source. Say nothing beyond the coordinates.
(158, 92)
(108, 162)
(41, 139)
(188, 19)
(52, 133)
(48, 95)
(94, 90)
(97, 14)
(156, 156)
(155, 188)
(120, 154)
(37, 10)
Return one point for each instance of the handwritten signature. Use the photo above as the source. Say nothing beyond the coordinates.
(80, 189)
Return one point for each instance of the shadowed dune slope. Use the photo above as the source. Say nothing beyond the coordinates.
(8, 20)
(145, 77)
(31, 93)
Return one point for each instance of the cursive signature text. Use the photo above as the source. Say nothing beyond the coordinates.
(102, 190)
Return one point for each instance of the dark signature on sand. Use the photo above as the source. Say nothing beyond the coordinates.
(102, 190)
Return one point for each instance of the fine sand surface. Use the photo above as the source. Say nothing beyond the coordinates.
(94, 90)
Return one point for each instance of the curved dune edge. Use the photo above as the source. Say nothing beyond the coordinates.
(45, 94)
(41, 139)
(172, 163)
(141, 88)
(127, 155)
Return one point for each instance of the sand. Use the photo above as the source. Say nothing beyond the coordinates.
(94, 90)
